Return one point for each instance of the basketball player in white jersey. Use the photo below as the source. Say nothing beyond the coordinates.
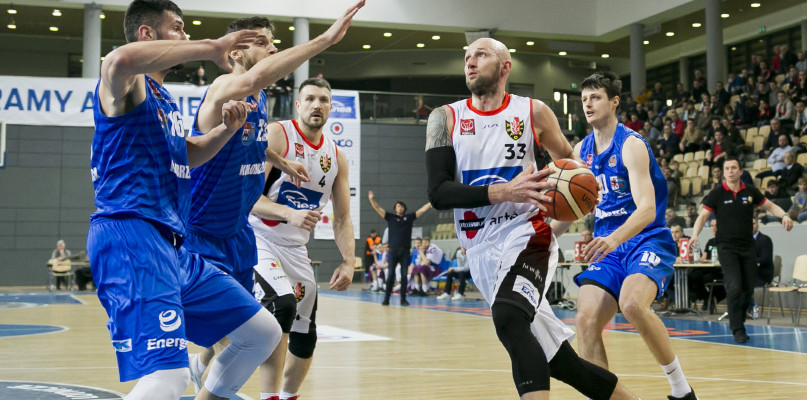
(480, 158)
(283, 219)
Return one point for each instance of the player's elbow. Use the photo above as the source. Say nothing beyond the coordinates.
(438, 200)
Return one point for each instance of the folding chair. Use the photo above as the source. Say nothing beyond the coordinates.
(799, 274)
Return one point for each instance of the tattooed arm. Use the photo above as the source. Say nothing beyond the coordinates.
(441, 164)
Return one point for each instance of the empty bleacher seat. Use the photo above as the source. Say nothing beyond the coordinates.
(764, 131)
(703, 172)
(689, 157)
(697, 186)
(759, 141)
(700, 155)
(686, 184)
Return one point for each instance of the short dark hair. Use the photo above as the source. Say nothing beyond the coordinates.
(318, 82)
(733, 158)
(402, 204)
(256, 22)
(603, 79)
(146, 12)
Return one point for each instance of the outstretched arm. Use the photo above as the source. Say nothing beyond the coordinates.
(342, 227)
(778, 212)
(422, 210)
(376, 207)
(202, 148)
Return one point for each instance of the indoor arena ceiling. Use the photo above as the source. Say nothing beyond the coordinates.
(60, 20)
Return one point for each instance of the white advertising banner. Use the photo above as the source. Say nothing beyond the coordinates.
(69, 101)
(344, 128)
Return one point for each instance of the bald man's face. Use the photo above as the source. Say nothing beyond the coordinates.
(486, 64)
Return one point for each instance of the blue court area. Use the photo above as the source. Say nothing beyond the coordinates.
(17, 300)
(776, 338)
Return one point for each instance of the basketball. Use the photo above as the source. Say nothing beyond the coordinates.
(575, 192)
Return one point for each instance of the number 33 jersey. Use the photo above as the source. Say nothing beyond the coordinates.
(492, 147)
(320, 163)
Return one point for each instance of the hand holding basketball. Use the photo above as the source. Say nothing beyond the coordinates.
(575, 191)
(526, 187)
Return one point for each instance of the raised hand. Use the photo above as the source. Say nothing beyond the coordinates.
(239, 40)
(337, 31)
(234, 113)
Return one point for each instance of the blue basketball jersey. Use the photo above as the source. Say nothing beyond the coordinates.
(224, 189)
(139, 161)
(617, 202)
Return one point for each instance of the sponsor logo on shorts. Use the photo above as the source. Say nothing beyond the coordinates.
(525, 288)
(593, 268)
(514, 128)
(299, 291)
(122, 346)
(467, 127)
(156, 344)
(299, 150)
(170, 320)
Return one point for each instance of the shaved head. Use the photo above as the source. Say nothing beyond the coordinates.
(494, 45)
(487, 65)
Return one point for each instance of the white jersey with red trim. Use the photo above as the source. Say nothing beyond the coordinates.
(492, 147)
(320, 162)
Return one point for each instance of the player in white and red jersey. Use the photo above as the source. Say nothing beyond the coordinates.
(283, 219)
(480, 158)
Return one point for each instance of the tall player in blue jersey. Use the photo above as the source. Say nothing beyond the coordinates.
(225, 189)
(631, 257)
(157, 294)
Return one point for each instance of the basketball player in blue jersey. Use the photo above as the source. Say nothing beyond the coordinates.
(158, 295)
(225, 189)
(631, 257)
(480, 159)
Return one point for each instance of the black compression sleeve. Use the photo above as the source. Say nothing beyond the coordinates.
(444, 192)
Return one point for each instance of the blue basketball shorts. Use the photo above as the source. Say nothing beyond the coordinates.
(159, 297)
(236, 255)
(650, 253)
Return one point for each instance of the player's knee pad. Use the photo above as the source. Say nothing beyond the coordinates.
(302, 345)
(512, 323)
(284, 308)
(591, 380)
(166, 384)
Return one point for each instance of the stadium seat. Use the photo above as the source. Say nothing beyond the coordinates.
(764, 131)
(678, 157)
(700, 155)
(785, 87)
(697, 186)
(693, 165)
(802, 158)
(752, 131)
(759, 141)
(703, 172)
(734, 100)
(761, 164)
(686, 184)
(690, 172)
(779, 79)
(689, 157)
(803, 140)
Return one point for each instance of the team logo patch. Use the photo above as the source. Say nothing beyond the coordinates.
(163, 120)
(589, 160)
(299, 291)
(467, 127)
(170, 320)
(299, 150)
(154, 89)
(612, 161)
(274, 265)
(325, 163)
(337, 128)
(617, 184)
(471, 224)
(514, 128)
(246, 134)
(122, 346)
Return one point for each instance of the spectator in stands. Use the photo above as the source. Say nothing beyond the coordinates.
(698, 89)
(764, 74)
(764, 113)
(736, 83)
(750, 87)
(764, 246)
(641, 111)
(715, 126)
(746, 112)
(417, 244)
(629, 106)
(773, 94)
(792, 78)
(199, 78)
(789, 59)
(717, 176)
(761, 93)
(798, 211)
(427, 268)
(703, 120)
(777, 157)
(675, 171)
(776, 63)
(717, 106)
(658, 99)
(369, 250)
(777, 196)
(801, 62)
(677, 231)
(799, 119)
(773, 138)
(692, 139)
(705, 100)
(60, 262)
(784, 110)
(673, 186)
(788, 176)
(673, 218)
(634, 123)
(644, 95)
(678, 125)
(579, 127)
(668, 144)
(461, 272)
(653, 134)
(690, 113)
(721, 148)
(698, 277)
(800, 94)
(692, 214)
(755, 69)
(723, 96)
(681, 95)
(731, 131)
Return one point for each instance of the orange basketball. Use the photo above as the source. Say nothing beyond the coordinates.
(575, 191)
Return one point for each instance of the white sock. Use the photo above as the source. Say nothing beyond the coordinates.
(286, 395)
(268, 396)
(425, 287)
(200, 366)
(380, 283)
(675, 375)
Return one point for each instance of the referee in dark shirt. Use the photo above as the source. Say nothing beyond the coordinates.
(400, 240)
(734, 205)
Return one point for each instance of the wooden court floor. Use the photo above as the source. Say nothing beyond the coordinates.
(440, 350)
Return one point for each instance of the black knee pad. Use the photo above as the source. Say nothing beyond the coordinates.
(284, 308)
(591, 380)
(530, 367)
(302, 345)
(512, 323)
